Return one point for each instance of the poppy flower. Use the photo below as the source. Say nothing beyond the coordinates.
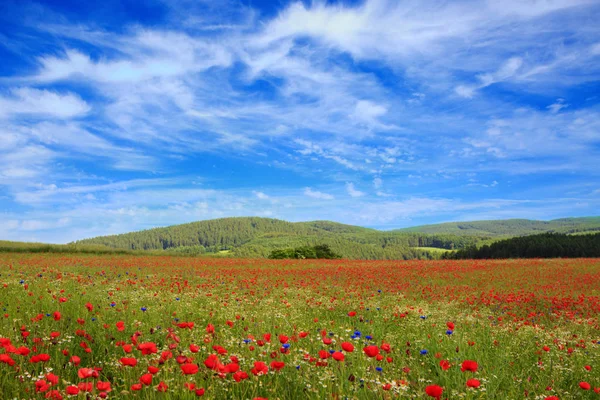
(146, 379)
(128, 361)
(72, 390)
(348, 347)
(260, 368)
(240, 375)
(189, 369)
(53, 379)
(445, 364)
(371, 351)
(434, 391)
(231, 368)
(148, 348)
(338, 356)
(103, 386)
(474, 383)
(585, 385)
(469, 365)
(277, 365)
(212, 362)
(162, 387)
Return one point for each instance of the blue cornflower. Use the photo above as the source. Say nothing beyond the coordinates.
(423, 352)
(143, 309)
(423, 316)
(368, 337)
(286, 345)
(379, 369)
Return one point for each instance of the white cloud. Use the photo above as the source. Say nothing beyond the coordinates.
(317, 195)
(505, 72)
(42, 102)
(377, 182)
(557, 106)
(368, 111)
(260, 195)
(352, 191)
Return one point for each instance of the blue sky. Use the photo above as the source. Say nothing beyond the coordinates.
(124, 115)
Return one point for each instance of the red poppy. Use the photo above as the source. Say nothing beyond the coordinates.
(146, 379)
(371, 351)
(260, 368)
(445, 364)
(434, 391)
(162, 387)
(189, 369)
(469, 365)
(128, 361)
(103, 386)
(72, 390)
(277, 365)
(474, 383)
(240, 375)
(348, 347)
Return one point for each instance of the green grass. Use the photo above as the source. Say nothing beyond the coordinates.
(435, 250)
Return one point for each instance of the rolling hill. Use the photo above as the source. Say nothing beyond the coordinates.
(257, 237)
(510, 227)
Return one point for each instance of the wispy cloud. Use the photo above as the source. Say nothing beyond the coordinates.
(352, 191)
(31, 101)
(317, 195)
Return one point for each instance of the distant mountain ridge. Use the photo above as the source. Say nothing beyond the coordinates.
(257, 237)
(510, 227)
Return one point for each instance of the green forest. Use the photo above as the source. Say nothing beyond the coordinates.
(259, 237)
(511, 227)
(545, 245)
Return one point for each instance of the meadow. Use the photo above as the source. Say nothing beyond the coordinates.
(128, 326)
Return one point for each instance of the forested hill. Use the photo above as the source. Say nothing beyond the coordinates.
(257, 237)
(510, 227)
(545, 245)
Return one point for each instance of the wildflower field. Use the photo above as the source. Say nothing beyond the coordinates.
(89, 326)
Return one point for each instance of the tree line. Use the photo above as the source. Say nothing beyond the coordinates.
(546, 245)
